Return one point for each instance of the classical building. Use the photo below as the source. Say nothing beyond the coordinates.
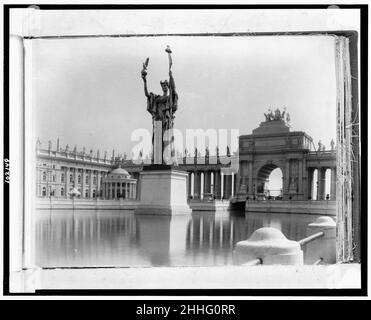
(119, 184)
(272, 145)
(59, 171)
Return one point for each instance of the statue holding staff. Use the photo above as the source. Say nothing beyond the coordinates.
(162, 108)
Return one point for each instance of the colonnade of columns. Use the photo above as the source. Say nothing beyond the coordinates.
(117, 190)
(211, 182)
(318, 190)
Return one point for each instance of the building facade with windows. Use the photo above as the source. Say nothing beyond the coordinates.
(59, 171)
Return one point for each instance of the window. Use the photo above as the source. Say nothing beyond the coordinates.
(62, 177)
(87, 179)
(71, 178)
(54, 178)
(44, 192)
(94, 193)
(94, 180)
(86, 193)
(44, 176)
(79, 179)
(62, 192)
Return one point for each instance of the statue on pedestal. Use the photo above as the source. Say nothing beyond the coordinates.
(320, 145)
(162, 108)
(277, 114)
(332, 145)
(38, 144)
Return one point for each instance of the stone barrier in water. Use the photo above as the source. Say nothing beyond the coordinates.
(324, 247)
(271, 247)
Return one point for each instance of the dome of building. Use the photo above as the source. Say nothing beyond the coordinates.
(119, 172)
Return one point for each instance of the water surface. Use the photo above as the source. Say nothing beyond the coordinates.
(90, 238)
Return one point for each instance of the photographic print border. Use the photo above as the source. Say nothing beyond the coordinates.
(207, 292)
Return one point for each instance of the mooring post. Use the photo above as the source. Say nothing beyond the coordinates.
(270, 246)
(325, 246)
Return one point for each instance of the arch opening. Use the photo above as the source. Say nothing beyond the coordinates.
(270, 182)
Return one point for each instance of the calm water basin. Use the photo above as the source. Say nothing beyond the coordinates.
(90, 238)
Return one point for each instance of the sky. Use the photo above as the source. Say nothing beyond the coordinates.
(88, 91)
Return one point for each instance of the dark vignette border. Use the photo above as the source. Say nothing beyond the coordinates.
(203, 292)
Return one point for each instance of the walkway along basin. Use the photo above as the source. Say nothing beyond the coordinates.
(317, 207)
(278, 206)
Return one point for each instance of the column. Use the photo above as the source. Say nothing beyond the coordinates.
(67, 181)
(300, 177)
(310, 172)
(217, 184)
(99, 182)
(320, 187)
(205, 184)
(287, 178)
(197, 185)
(135, 191)
(232, 184)
(192, 184)
(121, 189)
(189, 184)
(212, 182)
(323, 183)
(221, 184)
(126, 191)
(251, 191)
(75, 183)
(83, 183)
(226, 186)
(91, 184)
(202, 190)
(305, 180)
(333, 184)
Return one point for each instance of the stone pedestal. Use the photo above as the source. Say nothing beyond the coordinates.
(163, 191)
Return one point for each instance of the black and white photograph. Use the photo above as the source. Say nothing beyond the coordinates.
(172, 149)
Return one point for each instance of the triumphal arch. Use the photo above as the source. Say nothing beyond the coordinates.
(273, 145)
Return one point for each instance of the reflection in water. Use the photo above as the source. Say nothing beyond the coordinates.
(119, 238)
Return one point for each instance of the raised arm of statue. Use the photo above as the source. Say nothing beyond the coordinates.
(144, 75)
(171, 82)
(145, 87)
